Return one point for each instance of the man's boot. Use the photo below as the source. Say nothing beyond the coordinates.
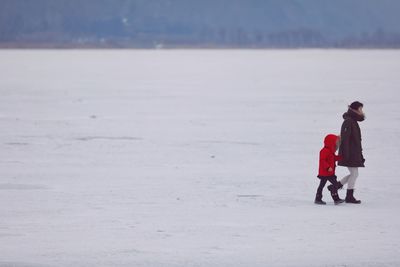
(350, 197)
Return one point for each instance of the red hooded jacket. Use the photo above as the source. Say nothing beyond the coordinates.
(327, 156)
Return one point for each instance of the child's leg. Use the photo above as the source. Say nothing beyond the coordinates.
(335, 183)
(321, 186)
(332, 180)
(352, 178)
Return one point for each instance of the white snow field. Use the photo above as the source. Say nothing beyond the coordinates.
(193, 158)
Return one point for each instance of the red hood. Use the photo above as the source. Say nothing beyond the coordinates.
(330, 141)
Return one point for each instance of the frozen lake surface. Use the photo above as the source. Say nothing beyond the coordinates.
(193, 158)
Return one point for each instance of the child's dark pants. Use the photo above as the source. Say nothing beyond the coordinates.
(322, 183)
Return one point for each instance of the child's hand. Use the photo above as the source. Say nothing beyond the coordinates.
(330, 169)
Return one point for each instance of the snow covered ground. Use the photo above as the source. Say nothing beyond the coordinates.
(193, 158)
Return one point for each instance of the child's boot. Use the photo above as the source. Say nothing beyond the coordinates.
(318, 200)
(350, 197)
(336, 198)
(337, 186)
(333, 188)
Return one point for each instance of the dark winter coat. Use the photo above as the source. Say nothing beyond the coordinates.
(327, 157)
(350, 147)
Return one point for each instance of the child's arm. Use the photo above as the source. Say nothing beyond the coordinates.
(338, 157)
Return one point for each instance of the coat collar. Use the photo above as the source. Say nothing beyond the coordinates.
(353, 115)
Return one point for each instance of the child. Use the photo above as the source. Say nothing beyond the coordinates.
(327, 166)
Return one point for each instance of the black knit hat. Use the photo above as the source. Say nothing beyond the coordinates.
(356, 105)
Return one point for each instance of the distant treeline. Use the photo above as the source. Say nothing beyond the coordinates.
(206, 23)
